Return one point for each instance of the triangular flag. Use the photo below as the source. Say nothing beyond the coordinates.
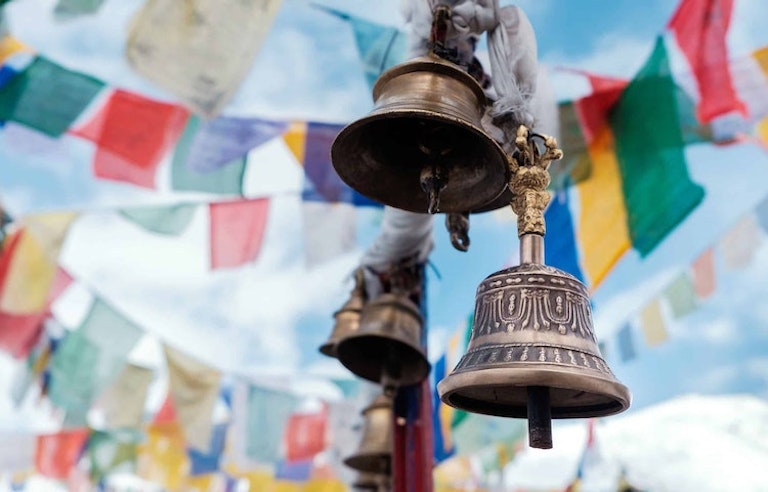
(132, 133)
(194, 387)
(237, 230)
(652, 322)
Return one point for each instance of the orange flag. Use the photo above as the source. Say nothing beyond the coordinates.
(56, 454)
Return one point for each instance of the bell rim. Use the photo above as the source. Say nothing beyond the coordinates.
(328, 349)
(550, 376)
(422, 361)
(359, 460)
(502, 162)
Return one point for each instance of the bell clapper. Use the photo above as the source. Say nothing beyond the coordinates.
(539, 418)
(433, 181)
(458, 228)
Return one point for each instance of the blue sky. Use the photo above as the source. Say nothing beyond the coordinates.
(313, 73)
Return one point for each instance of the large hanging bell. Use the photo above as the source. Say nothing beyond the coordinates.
(347, 319)
(388, 344)
(422, 148)
(532, 335)
(374, 455)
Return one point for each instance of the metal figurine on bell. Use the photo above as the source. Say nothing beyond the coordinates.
(533, 351)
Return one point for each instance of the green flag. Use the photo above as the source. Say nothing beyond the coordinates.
(47, 97)
(268, 412)
(658, 192)
(681, 296)
(225, 180)
(112, 451)
(167, 220)
(67, 9)
(477, 432)
(575, 166)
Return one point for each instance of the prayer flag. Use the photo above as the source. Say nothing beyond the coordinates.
(703, 274)
(162, 457)
(132, 133)
(222, 140)
(626, 343)
(652, 321)
(17, 451)
(56, 454)
(658, 192)
(326, 185)
(26, 274)
(194, 387)
(171, 220)
(227, 179)
(738, 245)
(237, 230)
(19, 332)
(167, 412)
(575, 166)
(305, 435)
(268, 413)
(442, 415)
(199, 51)
(47, 97)
(761, 212)
(560, 243)
(700, 28)
(124, 399)
(9, 46)
(681, 296)
(69, 9)
(209, 462)
(295, 471)
(112, 451)
(330, 231)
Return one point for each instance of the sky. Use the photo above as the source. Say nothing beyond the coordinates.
(268, 318)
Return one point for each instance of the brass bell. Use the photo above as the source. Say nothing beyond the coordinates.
(533, 352)
(388, 344)
(423, 148)
(374, 455)
(347, 319)
(370, 482)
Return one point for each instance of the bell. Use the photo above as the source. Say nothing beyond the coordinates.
(347, 319)
(370, 482)
(388, 344)
(374, 455)
(533, 352)
(422, 148)
(532, 340)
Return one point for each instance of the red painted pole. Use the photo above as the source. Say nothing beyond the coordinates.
(412, 454)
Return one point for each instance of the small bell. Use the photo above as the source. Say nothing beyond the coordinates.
(370, 482)
(374, 455)
(347, 319)
(532, 351)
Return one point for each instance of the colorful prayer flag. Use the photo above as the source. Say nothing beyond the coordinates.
(162, 457)
(227, 179)
(209, 462)
(700, 28)
(171, 220)
(330, 231)
(9, 46)
(123, 401)
(326, 185)
(112, 451)
(380, 47)
(200, 52)
(268, 413)
(626, 344)
(560, 244)
(652, 322)
(70, 9)
(194, 387)
(222, 140)
(658, 192)
(47, 97)
(681, 296)
(575, 166)
(703, 274)
(20, 332)
(738, 245)
(56, 454)
(295, 471)
(26, 274)
(132, 133)
(237, 230)
(305, 435)
(441, 416)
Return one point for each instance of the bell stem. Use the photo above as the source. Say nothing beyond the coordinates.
(539, 418)
(532, 249)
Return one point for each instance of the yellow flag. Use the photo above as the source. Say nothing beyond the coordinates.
(652, 321)
(324, 485)
(284, 486)
(602, 228)
(10, 46)
(50, 229)
(162, 458)
(29, 277)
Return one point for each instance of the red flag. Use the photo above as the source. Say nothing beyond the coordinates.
(19, 332)
(167, 412)
(237, 229)
(132, 134)
(305, 435)
(700, 27)
(703, 274)
(56, 454)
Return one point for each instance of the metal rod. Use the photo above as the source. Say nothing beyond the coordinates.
(532, 249)
(539, 418)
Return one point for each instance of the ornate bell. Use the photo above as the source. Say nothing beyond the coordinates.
(347, 319)
(374, 455)
(533, 352)
(422, 148)
(388, 344)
